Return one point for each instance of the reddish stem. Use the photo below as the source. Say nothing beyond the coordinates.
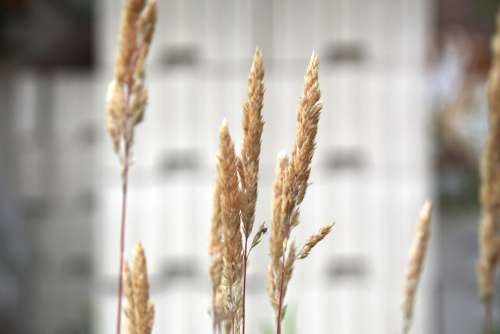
(245, 260)
(122, 245)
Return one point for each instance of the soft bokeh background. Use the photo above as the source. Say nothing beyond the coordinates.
(403, 86)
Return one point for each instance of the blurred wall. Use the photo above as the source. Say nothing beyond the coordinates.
(46, 60)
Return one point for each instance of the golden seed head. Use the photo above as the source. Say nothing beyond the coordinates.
(139, 310)
(490, 182)
(127, 96)
(253, 125)
(258, 235)
(416, 262)
(307, 128)
(289, 190)
(235, 198)
(215, 252)
(230, 213)
(314, 240)
(277, 235)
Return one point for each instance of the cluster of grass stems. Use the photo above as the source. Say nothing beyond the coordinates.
(232, 235)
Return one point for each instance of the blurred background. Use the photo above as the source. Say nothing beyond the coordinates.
(403, 86)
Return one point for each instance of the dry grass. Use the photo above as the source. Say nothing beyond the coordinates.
(277, 237)
(215, 252)
(253, 125)
(233, 216)
(231, 226)
(139, 310)
(490, 188)
(127, 94)
(127, 99)
(313, 241)
(288, 193)
(248, 163)
(235, 198)
(416, 263)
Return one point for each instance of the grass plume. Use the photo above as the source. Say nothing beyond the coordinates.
(215, 253)
(248, 163)
(127, 99)
(232, 240)
(416, 263)
(313, 241)
(127, 94)
(490, 189)
(139, 310)
(233, 216)
(288, 193)
(253, 125)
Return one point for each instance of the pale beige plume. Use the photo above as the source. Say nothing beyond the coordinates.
(289, 189)
(489, 241)
(416, 264)
(127, 94)
(232, 254)
(139, 311)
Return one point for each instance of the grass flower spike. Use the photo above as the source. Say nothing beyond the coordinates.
(215, 253)
(139, 311)
(277, 236)
(232, 252)
(127, 99)
(233, 216)
(490, 189)
(313, 241)
(248, 163)
(253, 125)
(127, 94)
(288, 193)
(416, 263)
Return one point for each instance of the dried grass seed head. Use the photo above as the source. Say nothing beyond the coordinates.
(127, 95)
(314, 240)
(297, 175)
(258, 235)
(306, 131)
(253, 125)
(215, 252)
(277, 235)
(139, 311)
(230, 209)
(416, 262)
(290, 187)
(490, 182)
(129, 309)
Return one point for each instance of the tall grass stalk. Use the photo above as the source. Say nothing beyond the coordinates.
(233, 215)
(416, 264)
(490, 190)
(289, 189)
(127, 99)
(248, 163)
